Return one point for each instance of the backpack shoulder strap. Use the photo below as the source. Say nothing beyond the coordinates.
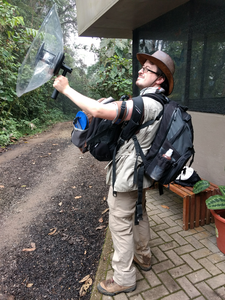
(139, 172)
(133, 125)
(121, 112)
(138, 109)
(128, 131)
(161, 98)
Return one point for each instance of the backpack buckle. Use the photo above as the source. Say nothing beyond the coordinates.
(121, 142)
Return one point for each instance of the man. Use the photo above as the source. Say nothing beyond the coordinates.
(131, 243)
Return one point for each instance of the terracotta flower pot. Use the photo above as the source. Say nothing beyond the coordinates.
(219, 216)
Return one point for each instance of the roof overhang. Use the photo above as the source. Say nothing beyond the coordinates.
(118, 18)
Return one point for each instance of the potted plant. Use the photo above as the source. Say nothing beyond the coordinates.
(216, 204)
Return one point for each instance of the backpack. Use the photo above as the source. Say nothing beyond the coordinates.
(175, 133)
(103, 137)
(107, 134)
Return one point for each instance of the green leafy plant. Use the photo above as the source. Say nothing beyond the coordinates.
(9, 131)
(217, 201)
(200, 186)
(34, 111)
(112, 75)
(214, 202)
(115, 77)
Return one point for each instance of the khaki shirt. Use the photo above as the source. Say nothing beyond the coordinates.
(126, 156)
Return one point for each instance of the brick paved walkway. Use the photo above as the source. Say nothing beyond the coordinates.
(185, 264)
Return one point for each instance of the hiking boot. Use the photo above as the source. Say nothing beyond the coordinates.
(110, 288)
(143, 266)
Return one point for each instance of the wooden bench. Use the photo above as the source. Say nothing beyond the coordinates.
(195, 212)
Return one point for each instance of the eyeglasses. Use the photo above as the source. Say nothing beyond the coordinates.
(145, 70)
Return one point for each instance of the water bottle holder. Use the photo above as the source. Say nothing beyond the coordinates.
(162, 165)
(164, 162)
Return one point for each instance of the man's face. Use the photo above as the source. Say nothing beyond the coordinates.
(146, 78)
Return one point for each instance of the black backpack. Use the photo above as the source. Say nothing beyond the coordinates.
(103, 135)
(175, 132)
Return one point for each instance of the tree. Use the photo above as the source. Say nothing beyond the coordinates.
(112, 75)
(34, 12)
(36, 106)
(68, 18)
(13, 41)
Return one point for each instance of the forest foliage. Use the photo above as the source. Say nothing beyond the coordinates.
(20, 21)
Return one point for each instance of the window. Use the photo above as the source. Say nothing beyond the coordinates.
(194, 36)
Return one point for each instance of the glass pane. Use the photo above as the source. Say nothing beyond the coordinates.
(194, 36)
(177, 50)
(196, 69)
(214, 68)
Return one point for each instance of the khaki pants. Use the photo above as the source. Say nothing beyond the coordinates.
(128, 239)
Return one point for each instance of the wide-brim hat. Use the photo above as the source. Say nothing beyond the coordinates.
(163, 61)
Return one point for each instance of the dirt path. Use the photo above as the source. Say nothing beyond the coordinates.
(53, 196)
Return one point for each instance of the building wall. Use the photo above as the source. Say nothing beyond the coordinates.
(209, 142)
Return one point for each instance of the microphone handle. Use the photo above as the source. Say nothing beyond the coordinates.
(55, 94)
(65, 70)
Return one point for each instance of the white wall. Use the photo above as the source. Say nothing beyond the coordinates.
(88, 11)
(209, 142)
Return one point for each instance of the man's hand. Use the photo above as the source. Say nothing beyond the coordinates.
(61, 84)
